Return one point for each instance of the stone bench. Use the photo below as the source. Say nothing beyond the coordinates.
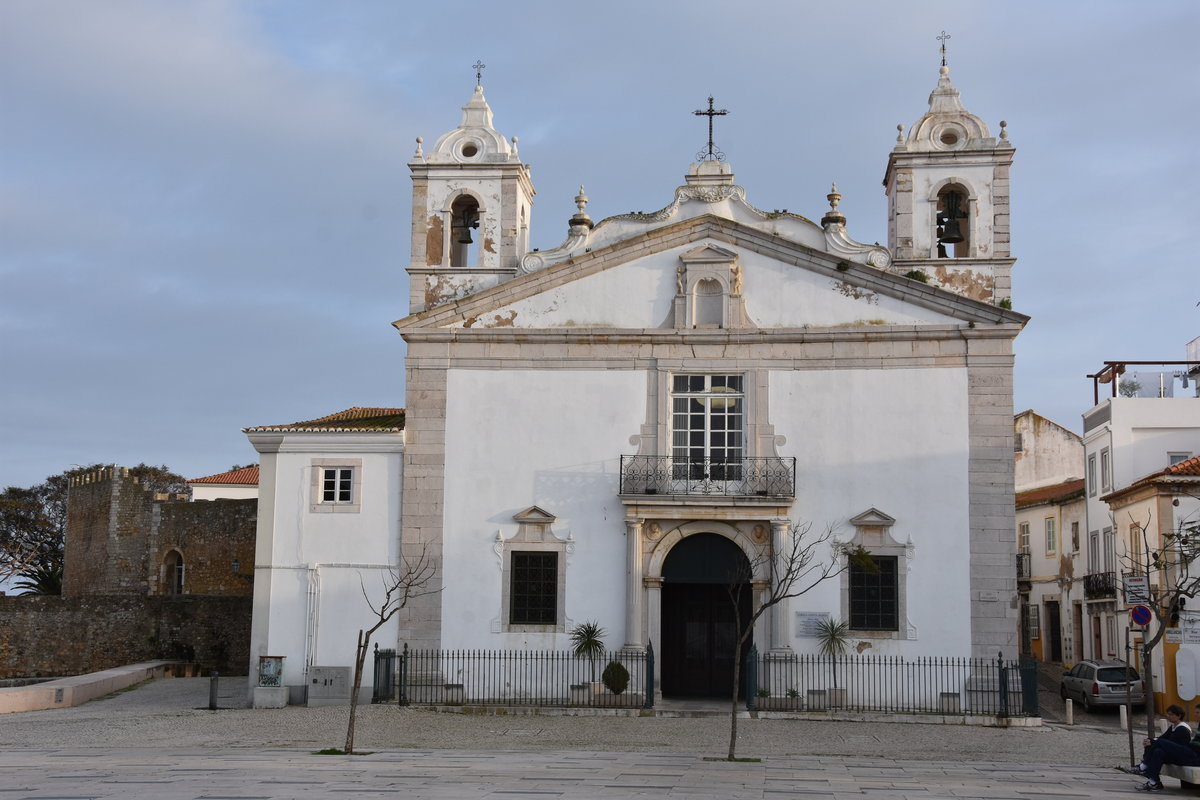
(1188, 776)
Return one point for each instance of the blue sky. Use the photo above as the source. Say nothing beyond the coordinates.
(204, 206)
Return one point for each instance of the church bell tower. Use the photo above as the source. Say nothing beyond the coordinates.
(947, 184)
(472, 200)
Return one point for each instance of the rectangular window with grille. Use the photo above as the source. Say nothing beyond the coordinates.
(534, 592)
(875, 595)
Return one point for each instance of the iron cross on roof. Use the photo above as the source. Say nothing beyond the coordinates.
(943, 39)
(711, 153)
(479, 67)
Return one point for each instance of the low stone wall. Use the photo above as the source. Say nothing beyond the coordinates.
(79, 689)
(58, 636)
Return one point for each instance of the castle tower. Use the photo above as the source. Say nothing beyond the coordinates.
(472, 199)
(947, 184)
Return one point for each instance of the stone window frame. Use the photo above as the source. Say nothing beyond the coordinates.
(317, 504)
(533, 534)
(873, 533)
(1050, 528)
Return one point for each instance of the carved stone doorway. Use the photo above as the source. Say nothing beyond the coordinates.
(699, 625)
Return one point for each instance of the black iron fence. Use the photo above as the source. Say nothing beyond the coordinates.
(810, 683)
(515, 678)
(744, 477)
(1099, 585)
(891, 685)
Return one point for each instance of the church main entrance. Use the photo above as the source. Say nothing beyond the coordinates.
(699, 630)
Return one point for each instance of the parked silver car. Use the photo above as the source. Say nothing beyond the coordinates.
(1101, 683)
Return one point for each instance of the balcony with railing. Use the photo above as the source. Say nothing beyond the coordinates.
(1024, 569)
(1100, 586)
(743, 477)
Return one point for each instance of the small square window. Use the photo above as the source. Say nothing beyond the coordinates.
(337, 484)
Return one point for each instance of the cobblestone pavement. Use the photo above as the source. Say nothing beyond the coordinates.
(160, 741)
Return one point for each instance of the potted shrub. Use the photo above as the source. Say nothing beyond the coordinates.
(833, 638)
(615, 677)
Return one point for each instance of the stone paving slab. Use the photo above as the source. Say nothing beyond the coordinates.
(276, 774)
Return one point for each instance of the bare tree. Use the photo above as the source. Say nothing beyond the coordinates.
(1171, 561)
(412, 578)
(798, 568)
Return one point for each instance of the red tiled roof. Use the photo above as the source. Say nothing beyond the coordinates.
(1058, 493)
(247, 476)
(1189, 467)
(378, 420)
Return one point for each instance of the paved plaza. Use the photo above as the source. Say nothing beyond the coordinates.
(160, 741)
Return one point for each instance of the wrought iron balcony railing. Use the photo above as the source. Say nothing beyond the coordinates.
(1024, 572)
(743, 477)
(1099, 585)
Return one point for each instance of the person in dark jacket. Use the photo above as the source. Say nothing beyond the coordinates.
(1175, 746)
(1177, 731)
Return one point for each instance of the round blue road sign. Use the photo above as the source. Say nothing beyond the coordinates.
(1140, 615)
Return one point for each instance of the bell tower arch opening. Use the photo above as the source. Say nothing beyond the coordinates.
(953, 222)
(464, 217)
(705, 595)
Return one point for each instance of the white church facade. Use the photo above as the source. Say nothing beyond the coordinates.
(597, 432)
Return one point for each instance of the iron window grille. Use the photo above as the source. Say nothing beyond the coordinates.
(534, 591)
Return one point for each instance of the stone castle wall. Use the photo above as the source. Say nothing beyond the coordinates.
(120, 534)
(43, 636)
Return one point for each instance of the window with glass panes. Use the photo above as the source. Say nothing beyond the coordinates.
(533, 597)
(337, 484)
(875, 595)
(707, 421)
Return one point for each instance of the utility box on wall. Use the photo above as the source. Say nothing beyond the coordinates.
(328, 686)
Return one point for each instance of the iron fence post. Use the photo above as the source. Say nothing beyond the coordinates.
(402, 699)
(751, 678)
(648, 701)
(1002, 671)
(1029, 687)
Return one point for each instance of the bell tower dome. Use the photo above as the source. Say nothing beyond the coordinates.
(472, 201)
(947, 184)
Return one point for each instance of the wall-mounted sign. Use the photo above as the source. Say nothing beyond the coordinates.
(807, 623)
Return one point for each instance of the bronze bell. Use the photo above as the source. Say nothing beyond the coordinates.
(951, 232)
(465, 236)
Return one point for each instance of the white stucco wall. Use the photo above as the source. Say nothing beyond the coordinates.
(896, 441)
(308, 564)
(547, 438)
(1050, 454)
(641, 294)
(203, 491)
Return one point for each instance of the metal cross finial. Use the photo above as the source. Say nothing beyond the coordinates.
(711, 153)
(479, 67)
(943, 39)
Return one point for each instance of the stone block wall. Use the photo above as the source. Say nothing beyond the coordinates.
(119, 535)
(59, 636)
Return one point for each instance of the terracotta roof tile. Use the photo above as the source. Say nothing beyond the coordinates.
(1189, 467)
(1058, 493)
(247, 476)
(379, 420)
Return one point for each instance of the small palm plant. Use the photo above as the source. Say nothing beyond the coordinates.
(587, 641)
(833, 637)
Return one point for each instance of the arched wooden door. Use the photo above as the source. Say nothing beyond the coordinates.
(702, 576)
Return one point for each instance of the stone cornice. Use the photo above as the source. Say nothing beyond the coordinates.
(709, 336)
(327, 442)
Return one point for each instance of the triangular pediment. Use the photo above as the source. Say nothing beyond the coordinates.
(535, 515)
(635, 283)
(708, 254)
(872, 517)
